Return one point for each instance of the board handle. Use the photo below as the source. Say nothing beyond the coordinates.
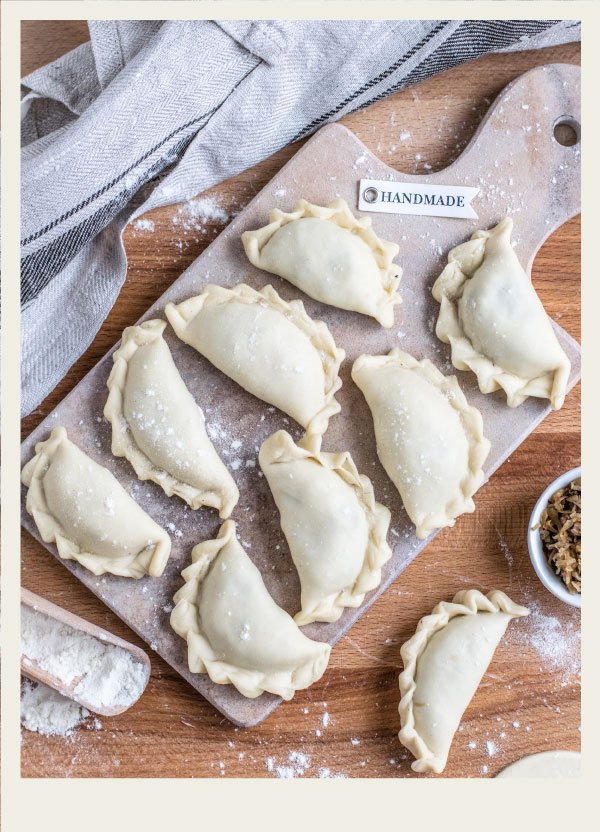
(526, 156)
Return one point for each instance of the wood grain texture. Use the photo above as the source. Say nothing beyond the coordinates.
(529, 699)
(43, 41)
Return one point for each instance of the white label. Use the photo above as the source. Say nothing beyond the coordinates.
(388, 197)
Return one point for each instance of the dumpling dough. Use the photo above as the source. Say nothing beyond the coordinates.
(495, 323)
(80, 505)
(331, 255)
(157, 425)
(545, 764)
(235, 631)
(334, 528)
(429, 439)
(270, 347)
(444, 663)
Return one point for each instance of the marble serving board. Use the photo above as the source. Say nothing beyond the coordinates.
(521, 170)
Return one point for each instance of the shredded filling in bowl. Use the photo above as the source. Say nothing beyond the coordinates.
(560, 531)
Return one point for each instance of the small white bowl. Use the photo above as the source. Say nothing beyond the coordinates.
(534, 542)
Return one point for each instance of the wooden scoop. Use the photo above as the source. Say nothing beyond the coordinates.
(32, 671)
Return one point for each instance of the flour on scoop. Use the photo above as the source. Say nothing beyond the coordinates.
(108, 675)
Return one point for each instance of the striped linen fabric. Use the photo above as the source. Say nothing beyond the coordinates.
(149, 113)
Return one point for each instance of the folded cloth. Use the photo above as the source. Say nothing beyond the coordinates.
(196, 102)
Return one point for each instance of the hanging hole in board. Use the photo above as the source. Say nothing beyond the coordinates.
(567, 131)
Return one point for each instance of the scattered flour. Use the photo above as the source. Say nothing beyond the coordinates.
(47, 712)
(107, 675)
(490, 748)
(298, 764)
(216, 431)
(557, 642)
(195, 214)
(174, 530)
(505, 549)
(327, 773)
(144, 225)
(299, 758)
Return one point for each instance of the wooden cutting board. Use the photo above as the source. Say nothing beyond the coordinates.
(521, 170)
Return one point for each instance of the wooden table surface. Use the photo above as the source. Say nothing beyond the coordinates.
(346, 725)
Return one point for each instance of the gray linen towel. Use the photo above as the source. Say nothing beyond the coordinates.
(194, 102)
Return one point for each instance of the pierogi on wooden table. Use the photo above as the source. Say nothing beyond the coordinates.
(238, 423)
(443, 664)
